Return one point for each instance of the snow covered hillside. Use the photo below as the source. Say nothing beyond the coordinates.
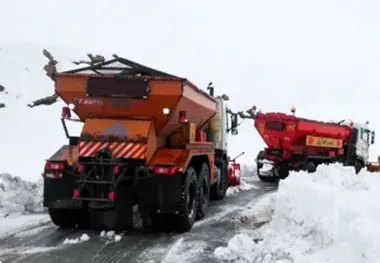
(330, 216)
(29, 135)
(18, 196)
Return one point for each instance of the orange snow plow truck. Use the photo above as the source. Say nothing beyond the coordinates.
(149, 139)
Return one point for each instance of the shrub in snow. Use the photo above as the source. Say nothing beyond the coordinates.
(331, 215)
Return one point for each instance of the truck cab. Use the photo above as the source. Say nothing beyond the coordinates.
(362, 138)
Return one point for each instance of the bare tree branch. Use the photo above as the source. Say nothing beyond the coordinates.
(44, 101)
(93, 60)
(51, 67)
(51, 71)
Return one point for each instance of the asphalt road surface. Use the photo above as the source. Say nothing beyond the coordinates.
(44, 243)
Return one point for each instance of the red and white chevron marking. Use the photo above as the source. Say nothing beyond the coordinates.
(119, 149)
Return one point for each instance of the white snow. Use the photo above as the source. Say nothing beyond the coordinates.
(81, 239)
(30, 135)
(329, 216)
(14, 224)
(117, 238)
(244, 186)
(18, 196)
(19, 199)
(110, 234)
(23, 152)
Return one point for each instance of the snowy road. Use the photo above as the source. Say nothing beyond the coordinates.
(44, 243)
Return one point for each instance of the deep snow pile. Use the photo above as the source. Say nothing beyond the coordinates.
(18, 196)
(332, 215)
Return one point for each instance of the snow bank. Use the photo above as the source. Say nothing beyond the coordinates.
(18, 196)
(332, 215)
(19, 225)
(244, 186)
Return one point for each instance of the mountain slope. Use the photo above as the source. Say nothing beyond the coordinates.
(28, 135)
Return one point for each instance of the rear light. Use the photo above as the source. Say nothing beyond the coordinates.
(66, 113)
(201, 136)
(182, 117)
(80, 168)
(75, 194)
(165, 170)
(116, 169)
(111, 196)
(54, 166)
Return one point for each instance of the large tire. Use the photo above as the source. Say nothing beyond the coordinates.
(61, 218)
(189, 201)
(203, 190)
(218, 190)
(358, 166)
(69, 218)
(158, 222)
(260, 156)
(310, 167)
(268, 179)
(121, 218)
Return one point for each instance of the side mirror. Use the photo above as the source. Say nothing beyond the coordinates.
(234, 132)
(210, 89)
(373, 137)
(234, 121)
(225, 97)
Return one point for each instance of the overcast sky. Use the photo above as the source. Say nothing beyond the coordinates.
(322, 56)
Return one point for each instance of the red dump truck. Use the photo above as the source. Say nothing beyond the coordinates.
(295, 143)
(149, 139)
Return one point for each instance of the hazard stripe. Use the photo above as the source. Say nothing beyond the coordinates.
(119, 149)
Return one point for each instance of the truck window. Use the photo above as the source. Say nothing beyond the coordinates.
(365, 134)
(117, 87)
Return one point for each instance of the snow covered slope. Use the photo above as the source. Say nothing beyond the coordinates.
(330, 216)
(29, 135)
(18, 196)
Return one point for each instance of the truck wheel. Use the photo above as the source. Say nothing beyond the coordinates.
(189, 201)
(358, 166)
(218, 189)
(62, 218)
(268, 179)
(310, 167)
(160, 222)
(203, 191)
(122, 216)
(260, 156)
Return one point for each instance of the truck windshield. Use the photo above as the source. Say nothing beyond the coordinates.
(365, 135)
(117, 87)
